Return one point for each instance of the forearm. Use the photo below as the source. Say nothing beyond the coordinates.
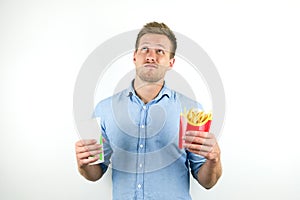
(209, 173)
(91, 172)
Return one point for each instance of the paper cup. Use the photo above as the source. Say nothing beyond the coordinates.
(91, 130)
(101, 155)
(98, 136)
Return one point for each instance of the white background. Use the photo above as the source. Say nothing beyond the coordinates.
(254, 45)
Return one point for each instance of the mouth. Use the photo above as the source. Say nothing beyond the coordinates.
(150, 66)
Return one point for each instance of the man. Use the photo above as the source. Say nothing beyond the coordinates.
(140, 127)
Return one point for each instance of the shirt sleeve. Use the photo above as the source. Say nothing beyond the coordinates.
(195, 161)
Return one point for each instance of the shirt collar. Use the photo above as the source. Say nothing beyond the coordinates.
(165, 91)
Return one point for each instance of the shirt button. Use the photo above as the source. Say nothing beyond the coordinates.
(141, 146)
(141, 165)
(142, 126)
(144, 107)
(139, 186)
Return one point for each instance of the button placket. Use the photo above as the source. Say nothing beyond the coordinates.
(141, 152)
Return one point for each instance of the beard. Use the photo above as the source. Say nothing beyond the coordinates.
(151, 75)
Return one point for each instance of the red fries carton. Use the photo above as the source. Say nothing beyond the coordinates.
(193, 120)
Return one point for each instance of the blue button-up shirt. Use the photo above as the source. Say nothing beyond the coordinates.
(142, 146)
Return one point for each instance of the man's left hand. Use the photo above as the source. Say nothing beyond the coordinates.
(202, 143)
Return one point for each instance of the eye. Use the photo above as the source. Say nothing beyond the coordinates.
(144, 49)
(160, 51)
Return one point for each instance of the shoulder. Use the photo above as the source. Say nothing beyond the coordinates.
(105, 105)
(185, 101)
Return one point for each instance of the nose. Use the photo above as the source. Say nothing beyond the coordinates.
(150, 57)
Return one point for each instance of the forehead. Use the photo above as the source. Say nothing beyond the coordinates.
(155, 39)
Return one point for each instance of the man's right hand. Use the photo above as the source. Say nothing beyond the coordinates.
(87, 151)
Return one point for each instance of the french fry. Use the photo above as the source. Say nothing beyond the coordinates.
(197, 117)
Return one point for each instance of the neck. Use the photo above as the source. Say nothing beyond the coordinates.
(147, 90)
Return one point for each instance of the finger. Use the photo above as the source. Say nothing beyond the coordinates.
(208, 156)
(198, 148)
(88, 154)
(198, 134)
(82, 143)
(88, 160)
(201, 153)
(94, 147)
(198, 140)
(88, 148)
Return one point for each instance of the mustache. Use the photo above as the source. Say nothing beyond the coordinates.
(152, 65)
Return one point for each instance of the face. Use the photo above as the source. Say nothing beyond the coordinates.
(152, 59)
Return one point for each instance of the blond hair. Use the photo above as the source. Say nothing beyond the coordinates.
(158, 28)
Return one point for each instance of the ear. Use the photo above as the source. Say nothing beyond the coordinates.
(171, 62)
(134, 57)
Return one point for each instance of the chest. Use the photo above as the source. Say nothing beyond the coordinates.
(155, 126)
